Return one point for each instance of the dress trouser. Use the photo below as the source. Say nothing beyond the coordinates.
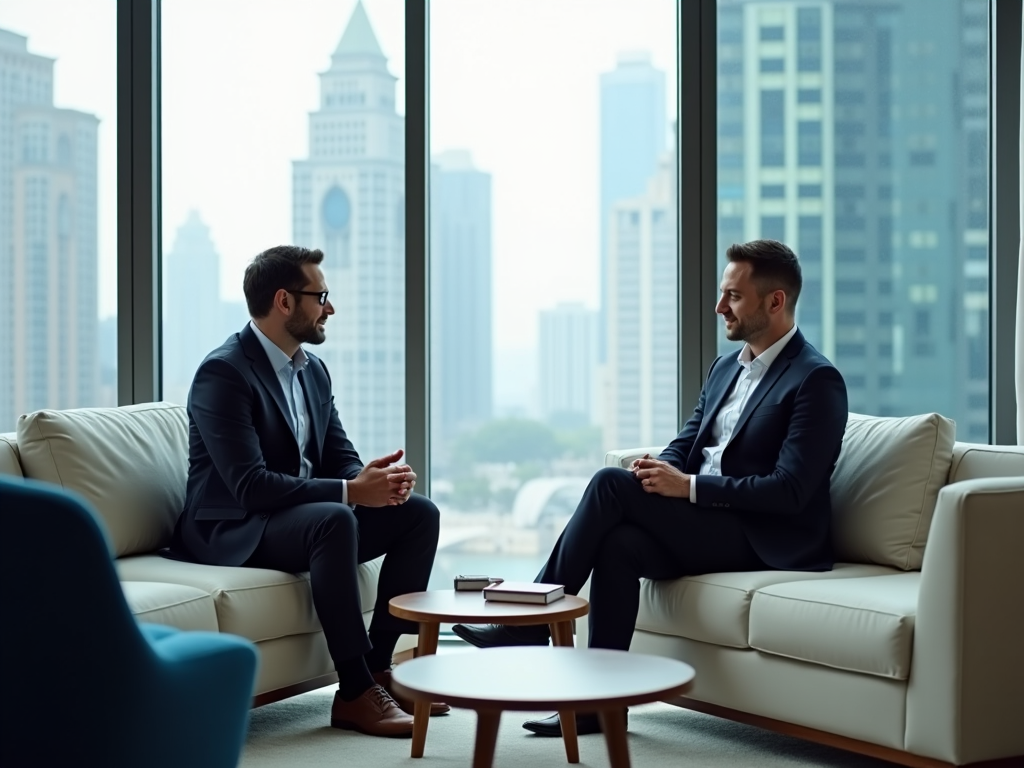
(331, 539)
(620, 533)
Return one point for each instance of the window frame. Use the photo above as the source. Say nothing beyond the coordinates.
(139, 221)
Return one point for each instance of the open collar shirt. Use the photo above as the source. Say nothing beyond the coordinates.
(287, 370)
(754, 369)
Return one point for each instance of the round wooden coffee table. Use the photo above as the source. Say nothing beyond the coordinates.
(432, 608)
(538, 678)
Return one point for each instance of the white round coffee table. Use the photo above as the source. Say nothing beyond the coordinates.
(535, 678)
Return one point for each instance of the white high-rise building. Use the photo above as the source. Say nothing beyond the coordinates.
(348, 200)
(643, 346)
(48, 242)
(568, 357)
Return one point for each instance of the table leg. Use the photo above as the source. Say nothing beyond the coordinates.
(567, 719)
(486, 737)
(421, 713)
(614, 727)
(561, 636)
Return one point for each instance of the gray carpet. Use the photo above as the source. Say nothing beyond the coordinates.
(295, 732)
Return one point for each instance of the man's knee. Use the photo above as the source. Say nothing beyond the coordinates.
(338, 521)
(424, 511)
(611, 477)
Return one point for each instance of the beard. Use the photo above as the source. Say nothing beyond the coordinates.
(305, 331)
(750, 328)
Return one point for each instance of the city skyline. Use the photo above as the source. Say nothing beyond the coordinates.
(785, 171)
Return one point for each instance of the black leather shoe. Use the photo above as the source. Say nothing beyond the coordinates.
(586, 723)
(498, 635)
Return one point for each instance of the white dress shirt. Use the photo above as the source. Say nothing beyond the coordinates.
(287, 370)
(754, 369)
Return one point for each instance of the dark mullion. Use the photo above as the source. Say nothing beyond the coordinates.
(1004, 208)
(417, 240)
(138, 201)
(696, 138)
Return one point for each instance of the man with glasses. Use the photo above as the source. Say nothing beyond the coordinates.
(273, 482)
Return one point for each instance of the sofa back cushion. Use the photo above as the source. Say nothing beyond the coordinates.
(10, 463)
(131, 463)
(972, 461)
(885, 486)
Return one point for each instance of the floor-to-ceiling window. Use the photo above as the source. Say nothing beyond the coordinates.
(553, 262)
(284, 123)
(58, 236)
(857, 132)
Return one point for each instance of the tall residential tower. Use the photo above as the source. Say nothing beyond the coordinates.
(48, 242)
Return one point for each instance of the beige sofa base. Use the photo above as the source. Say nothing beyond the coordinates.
(744, 683)
(830, 739)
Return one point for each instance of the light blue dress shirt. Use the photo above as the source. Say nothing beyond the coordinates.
(287, 370)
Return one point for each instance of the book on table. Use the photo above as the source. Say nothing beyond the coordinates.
(524, 592)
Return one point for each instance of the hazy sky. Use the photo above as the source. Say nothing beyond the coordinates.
(513, 81)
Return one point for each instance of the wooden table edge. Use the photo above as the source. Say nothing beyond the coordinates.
(478, 618)
(515, 705)
(482, 617)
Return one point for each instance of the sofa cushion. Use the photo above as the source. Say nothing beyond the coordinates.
(859, 625)
(885, 485)
(10, 464)
(972, 461)
(715, 607)
(176, 605)
(130, 463)
(256, 603)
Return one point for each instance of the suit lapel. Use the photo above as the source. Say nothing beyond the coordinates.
(714, 403)
(265, 373)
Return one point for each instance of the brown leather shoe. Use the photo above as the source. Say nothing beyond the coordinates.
(383, 679)
(375, 713)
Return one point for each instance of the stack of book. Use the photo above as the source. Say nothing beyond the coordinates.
(524, 592)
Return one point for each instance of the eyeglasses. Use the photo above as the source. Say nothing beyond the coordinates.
(321, 295)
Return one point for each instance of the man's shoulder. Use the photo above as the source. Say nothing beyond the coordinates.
(230, 352)
(810, 358)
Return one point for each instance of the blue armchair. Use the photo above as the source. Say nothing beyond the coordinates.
(85, 684)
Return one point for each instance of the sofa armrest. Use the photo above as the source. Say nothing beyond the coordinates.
(624, 457)
(966, 688)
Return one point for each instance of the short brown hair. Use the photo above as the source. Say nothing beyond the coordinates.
(773, 265)
(276, 268)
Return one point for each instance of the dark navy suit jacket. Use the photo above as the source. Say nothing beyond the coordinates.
(243, 456)
(778, 465)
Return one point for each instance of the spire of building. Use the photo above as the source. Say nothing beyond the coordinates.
(359, 38)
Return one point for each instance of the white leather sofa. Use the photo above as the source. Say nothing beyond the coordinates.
(912, 648)
(131, 463)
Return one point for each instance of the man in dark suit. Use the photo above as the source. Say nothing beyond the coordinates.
(273, 482)
(743, 487)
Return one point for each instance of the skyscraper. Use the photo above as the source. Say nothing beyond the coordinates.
(642, 405)
(843, 132)
(48, 241)
(634, 134)
(348, 200)
(193, 322)
(568, 356)
(460, 306)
